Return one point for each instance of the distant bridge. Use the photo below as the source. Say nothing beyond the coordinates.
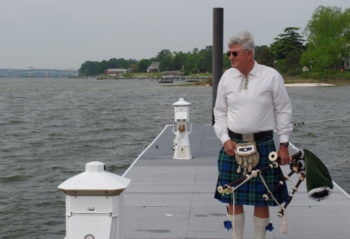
(37, 73)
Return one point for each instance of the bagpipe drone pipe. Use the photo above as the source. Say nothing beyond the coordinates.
(310, 168)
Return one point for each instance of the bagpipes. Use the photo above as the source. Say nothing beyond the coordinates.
(318, 180)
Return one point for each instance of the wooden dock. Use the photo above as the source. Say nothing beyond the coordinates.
(173, 199)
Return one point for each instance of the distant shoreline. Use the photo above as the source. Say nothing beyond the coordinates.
(315, 82)
(307, 84)
(290, 82)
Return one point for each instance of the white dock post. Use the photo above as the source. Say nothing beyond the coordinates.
(182, 129)
(94, 203)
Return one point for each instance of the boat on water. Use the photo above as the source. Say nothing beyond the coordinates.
(165, 81)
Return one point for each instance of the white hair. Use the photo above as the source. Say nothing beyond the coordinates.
(245, 39)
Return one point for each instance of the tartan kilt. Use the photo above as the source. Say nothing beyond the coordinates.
(251, 192)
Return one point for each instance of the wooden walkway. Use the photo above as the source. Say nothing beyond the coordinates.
(172, 199)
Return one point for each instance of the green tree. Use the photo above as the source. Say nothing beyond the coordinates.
(287, 50)
(143, 64)
(88, 68)
(166, 59)
(205, 59)
(162, 54)
(190, 66)
(113, 63)
(263, 55)
(328, 35)
(198, 61)
(166, 63)
(102, 67)
(288, 41)
(179, 60)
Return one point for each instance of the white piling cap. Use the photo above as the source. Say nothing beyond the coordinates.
(95, 166)
(95, 181)
(181, 102)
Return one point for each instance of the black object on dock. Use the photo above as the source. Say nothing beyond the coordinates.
(218, 31)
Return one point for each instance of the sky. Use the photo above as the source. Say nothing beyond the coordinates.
(63, 34)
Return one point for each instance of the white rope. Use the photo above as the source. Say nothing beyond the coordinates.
(336, 164)
(233, 212)
(296, 149)
(320, 121)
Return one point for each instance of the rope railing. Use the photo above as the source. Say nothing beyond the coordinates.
(319, 121)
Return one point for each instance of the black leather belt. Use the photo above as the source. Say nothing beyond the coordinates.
(260, 136)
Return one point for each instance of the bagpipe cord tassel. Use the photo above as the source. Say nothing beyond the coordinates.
(260, 227)
(228, 222)
(284, 224)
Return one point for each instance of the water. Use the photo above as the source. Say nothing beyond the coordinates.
(51, 127)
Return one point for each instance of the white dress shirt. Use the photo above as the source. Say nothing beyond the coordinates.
(262, 105)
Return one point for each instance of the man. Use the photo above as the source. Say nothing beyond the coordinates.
(251, 102)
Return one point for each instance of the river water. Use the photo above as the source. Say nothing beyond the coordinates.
(51, 127)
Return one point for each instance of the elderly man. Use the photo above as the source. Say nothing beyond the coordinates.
(251, 102)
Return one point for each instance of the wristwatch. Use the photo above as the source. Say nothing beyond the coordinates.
(285, 144)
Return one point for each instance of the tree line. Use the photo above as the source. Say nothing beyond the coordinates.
(325, 48)
(197, 61)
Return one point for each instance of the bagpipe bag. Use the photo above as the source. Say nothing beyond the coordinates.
(319, 183)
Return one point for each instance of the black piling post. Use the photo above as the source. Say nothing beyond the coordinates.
(218, 29)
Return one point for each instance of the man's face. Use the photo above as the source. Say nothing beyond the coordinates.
(239, 58)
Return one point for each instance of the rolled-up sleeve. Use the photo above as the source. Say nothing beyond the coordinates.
(220, 113)
(283, 110)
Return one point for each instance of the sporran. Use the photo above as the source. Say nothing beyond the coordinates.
(247, 156)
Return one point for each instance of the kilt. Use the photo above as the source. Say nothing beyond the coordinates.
(251, 192)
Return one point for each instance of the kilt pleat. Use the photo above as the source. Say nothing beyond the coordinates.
(251, 192)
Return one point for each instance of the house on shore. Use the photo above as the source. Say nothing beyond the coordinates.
(154, 67)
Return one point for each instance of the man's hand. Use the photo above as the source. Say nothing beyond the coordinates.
(283, 154)
(229, 147)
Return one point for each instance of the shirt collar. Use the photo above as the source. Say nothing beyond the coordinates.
(255, 70)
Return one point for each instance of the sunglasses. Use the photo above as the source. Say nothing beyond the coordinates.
(233, 53)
